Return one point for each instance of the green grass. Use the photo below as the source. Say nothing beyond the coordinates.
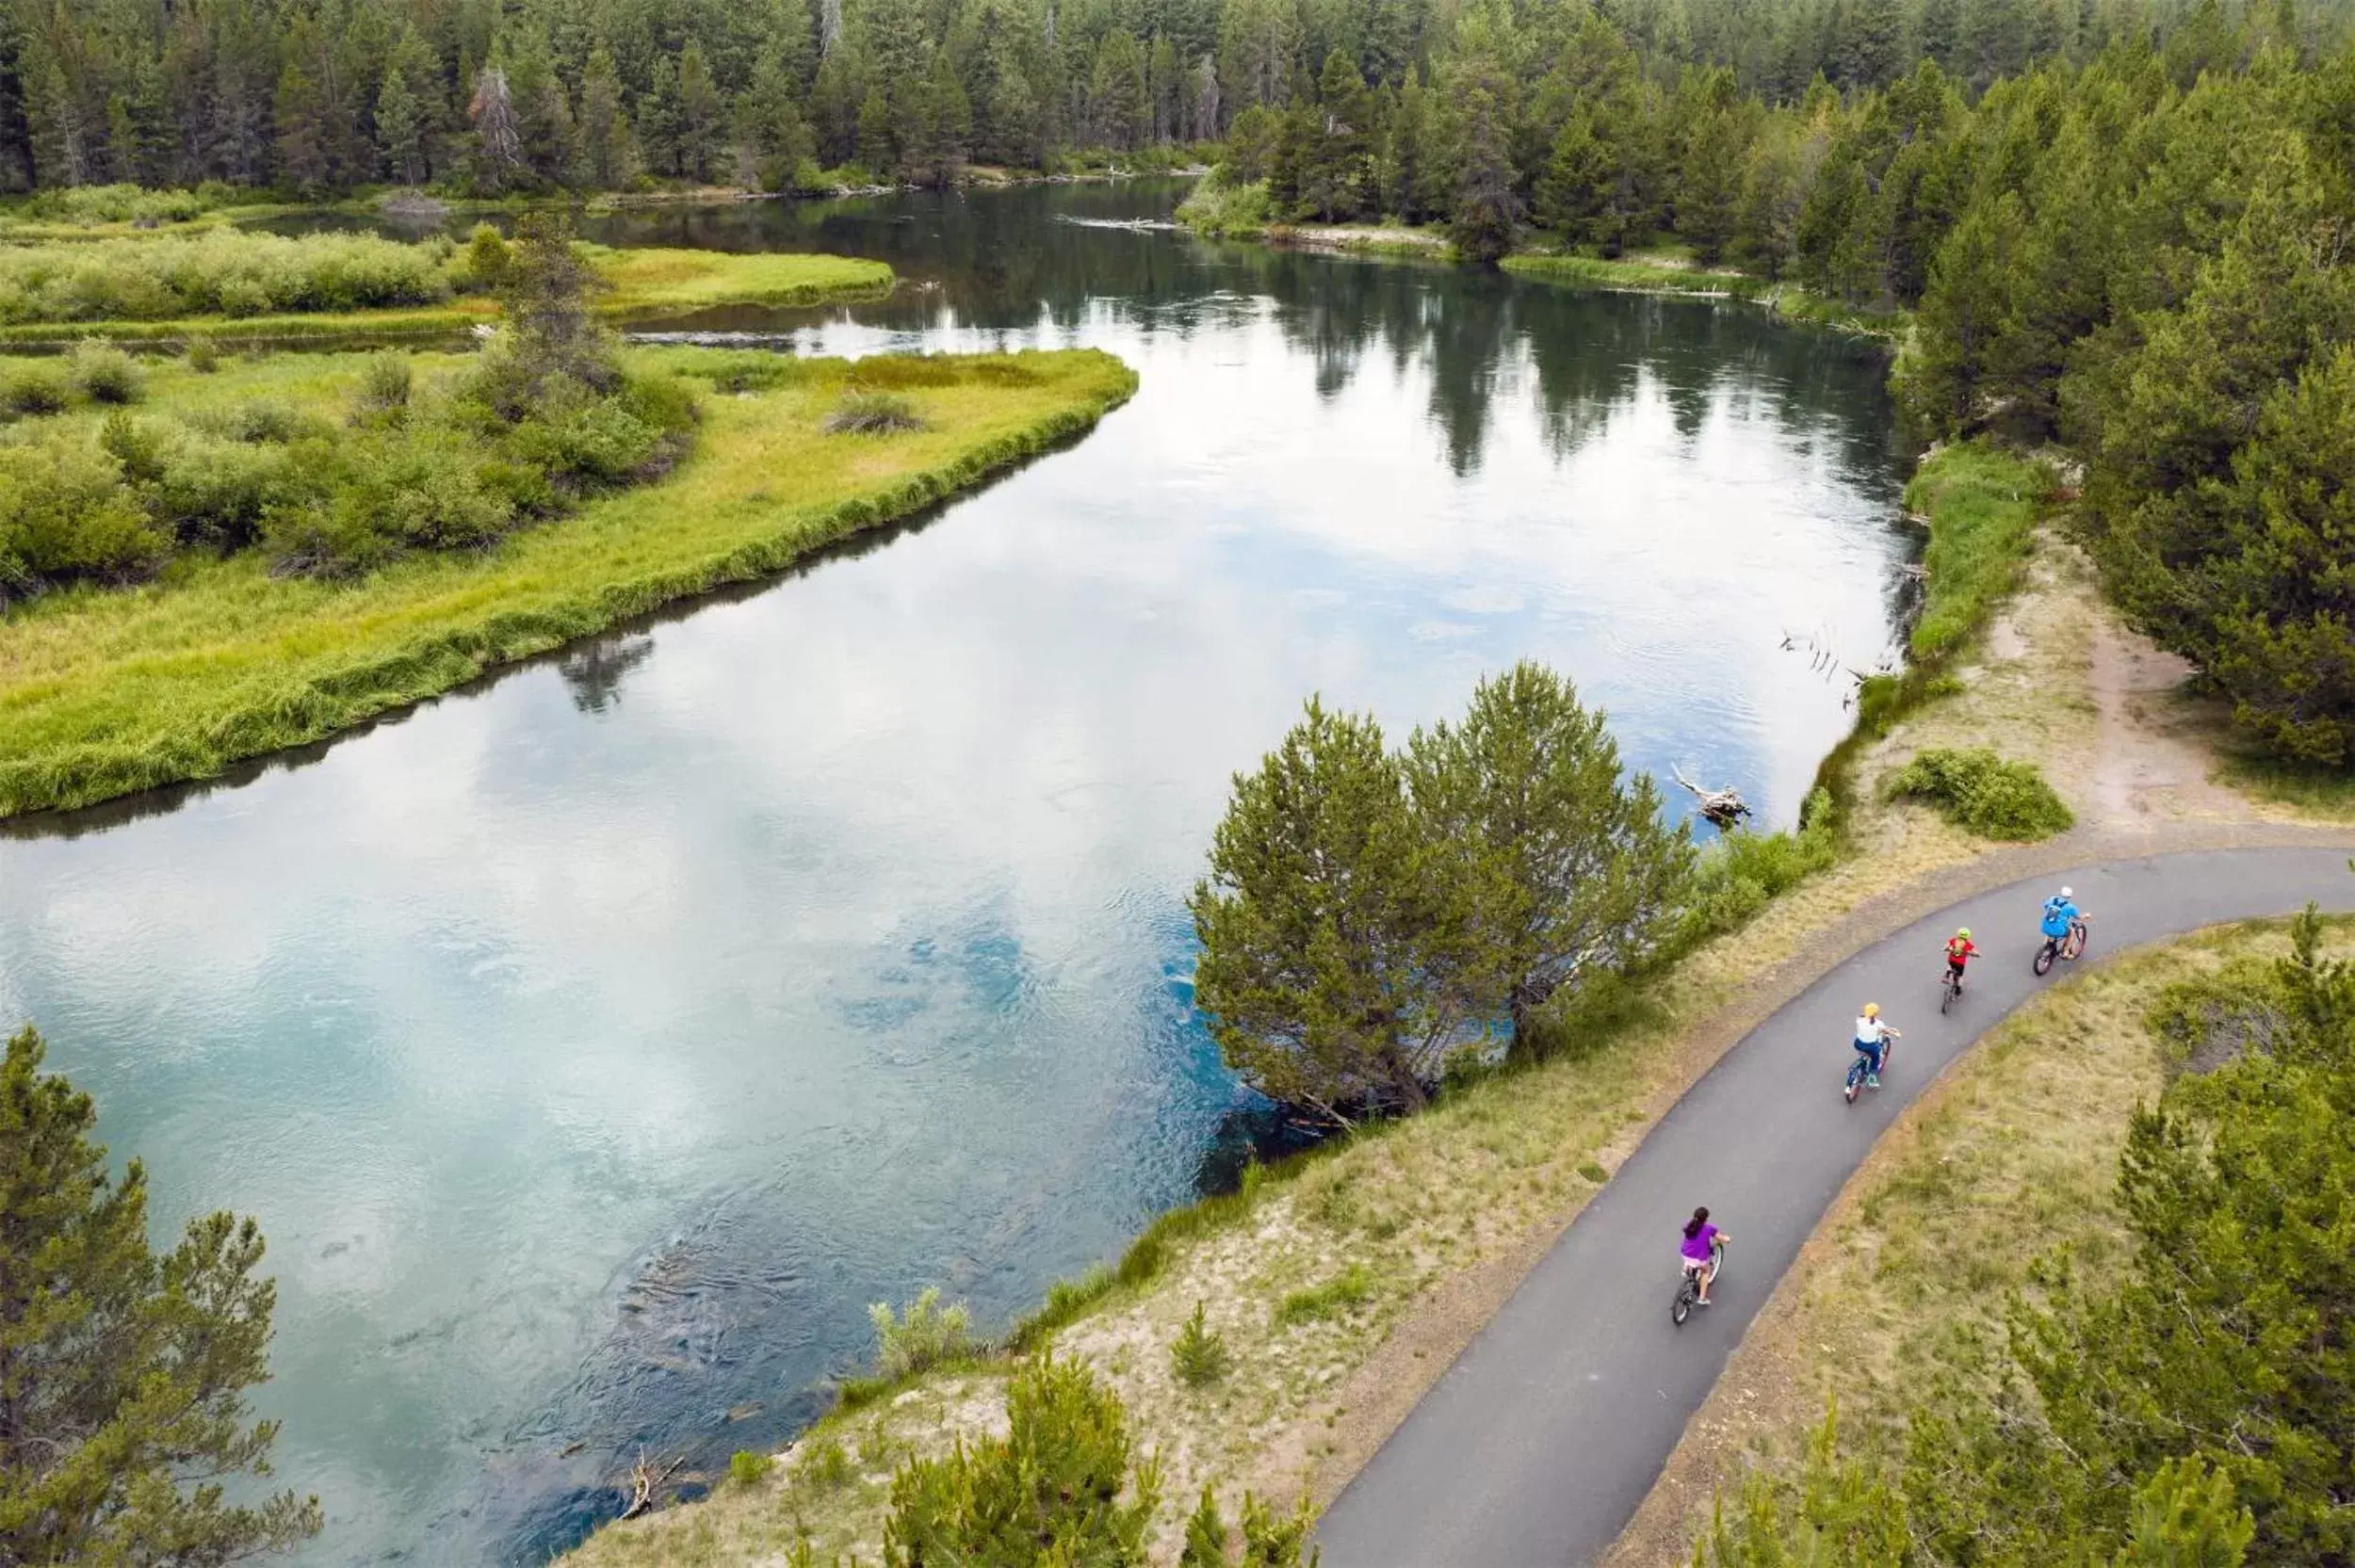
(103, 691)
(639, 284)
(1982, 503)
(1639, 277)
(1353, 1286)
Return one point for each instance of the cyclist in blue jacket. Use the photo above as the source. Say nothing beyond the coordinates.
(2060, 910)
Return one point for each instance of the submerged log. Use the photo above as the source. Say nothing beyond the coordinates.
(1722, 808)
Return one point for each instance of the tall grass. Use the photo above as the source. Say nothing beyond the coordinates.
(66, 289)
(1635, 276)
(1982, 504)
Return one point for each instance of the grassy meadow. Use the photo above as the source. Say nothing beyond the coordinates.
(107, 690)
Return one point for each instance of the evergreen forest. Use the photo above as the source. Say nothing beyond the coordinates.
(313, 97)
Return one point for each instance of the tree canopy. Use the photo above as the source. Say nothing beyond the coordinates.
(123, 1372)
(1369, 914)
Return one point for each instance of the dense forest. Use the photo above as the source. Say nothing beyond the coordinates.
(314, 96)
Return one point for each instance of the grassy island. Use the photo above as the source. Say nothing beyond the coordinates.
(105, 690)
(234, 284)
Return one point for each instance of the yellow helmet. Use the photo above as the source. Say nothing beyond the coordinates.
(1964, 933)
(1872, 1010)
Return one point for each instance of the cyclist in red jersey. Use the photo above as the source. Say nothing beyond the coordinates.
(1961, 950)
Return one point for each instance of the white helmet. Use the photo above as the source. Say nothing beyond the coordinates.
(2069, 893)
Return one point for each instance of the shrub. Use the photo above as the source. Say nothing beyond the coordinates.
(1051, 1490)
(1269, 1540)
(1739, 874)
(826, 1466)
(203, 354)
(872, 414)
(104, 374)
(385, 386)
(1219, 205)
(1352, 1287)
(86, 206)
(225, 271)
(1980, 792)
(924, 1336)
(487, 258)
(64, 512)
(34, 387)
(1199, 1353)
(748, 1468)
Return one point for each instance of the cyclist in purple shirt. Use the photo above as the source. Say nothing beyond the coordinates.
(1700, 1237)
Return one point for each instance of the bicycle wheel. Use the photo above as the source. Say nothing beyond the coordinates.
(1946, 1002)
(1682, 1307)
(2073, 948)
(2044, 956)
(1856, 1078)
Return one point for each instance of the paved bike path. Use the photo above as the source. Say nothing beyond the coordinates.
(1537, 1445)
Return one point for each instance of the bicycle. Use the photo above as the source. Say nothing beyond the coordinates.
(1861, 1068)
(2071, 946)
(1689, 1288)
(1949, 989)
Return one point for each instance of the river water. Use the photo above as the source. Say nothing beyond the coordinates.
(596, 1044)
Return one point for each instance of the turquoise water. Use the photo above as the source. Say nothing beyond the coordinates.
(594, 1043)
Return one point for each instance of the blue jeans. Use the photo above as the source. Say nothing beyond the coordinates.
(1871, 1052)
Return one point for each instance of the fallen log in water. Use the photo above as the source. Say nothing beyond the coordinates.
(1722, 808)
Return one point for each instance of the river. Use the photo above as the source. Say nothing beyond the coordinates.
(594, 1043)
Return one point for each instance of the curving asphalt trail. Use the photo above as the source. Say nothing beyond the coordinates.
(1536, 1445)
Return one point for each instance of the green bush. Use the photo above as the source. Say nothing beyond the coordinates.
(1742, 872)
(1980, 792)
(1199, 1355)
(747, 1469)
(104, 374)
(1061, 1486)
(1219, 205)
(65, 514)
(924, 1336)
(1269, 1540)
(87, 207)
(225, 271)
(385, 387)
(30, 388)
(203, 354)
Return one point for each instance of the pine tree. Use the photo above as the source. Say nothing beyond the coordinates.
(770, 127)
(1117, 105)
(660, 119)
(606, 145)
(948, 123)
(702, 119)
(401, 130)
(123, 1373)
(302, 147)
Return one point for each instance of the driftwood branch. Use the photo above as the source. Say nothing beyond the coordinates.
(1724, 808)
(645, 1481)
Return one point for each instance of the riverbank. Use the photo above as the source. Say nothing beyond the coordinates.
(1342, 1284)
(635, 284)
(1217, 211)
(104, 691)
